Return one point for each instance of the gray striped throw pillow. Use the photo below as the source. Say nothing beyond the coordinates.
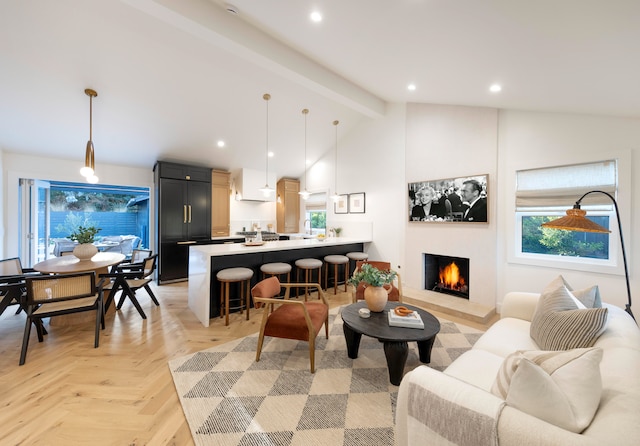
(558, 324)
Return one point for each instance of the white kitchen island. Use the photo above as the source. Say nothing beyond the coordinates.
(206, 260)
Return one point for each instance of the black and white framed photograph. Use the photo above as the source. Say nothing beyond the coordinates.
(356, 203)
(461, 199)
(342, 205)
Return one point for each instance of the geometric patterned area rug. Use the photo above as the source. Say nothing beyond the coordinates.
(230, 399)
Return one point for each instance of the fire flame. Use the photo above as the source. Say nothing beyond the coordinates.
(450, 277)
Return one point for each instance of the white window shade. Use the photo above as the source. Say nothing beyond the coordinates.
(316, 202)
(562, 186)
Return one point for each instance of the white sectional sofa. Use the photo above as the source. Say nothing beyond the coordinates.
(470, 378)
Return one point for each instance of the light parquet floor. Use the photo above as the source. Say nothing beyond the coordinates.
(69, 393)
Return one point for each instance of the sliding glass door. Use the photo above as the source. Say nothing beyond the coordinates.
(34, 226)
(51, 210)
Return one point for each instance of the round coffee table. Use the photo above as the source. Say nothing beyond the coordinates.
(395, 339)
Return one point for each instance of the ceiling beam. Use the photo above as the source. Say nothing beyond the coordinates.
(212, 23)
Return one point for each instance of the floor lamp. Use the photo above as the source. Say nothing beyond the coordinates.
(576, 220)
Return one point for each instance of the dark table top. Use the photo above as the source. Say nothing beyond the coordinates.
(377, 326)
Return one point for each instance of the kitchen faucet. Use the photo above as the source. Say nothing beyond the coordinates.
(305, 225)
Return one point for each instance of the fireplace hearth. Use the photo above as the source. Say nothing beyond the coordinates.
(446, 274)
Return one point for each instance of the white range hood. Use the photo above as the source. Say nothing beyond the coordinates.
(248, 183)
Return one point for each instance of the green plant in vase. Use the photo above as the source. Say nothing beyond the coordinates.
(84, 234)
(372, 276)
(375, 294)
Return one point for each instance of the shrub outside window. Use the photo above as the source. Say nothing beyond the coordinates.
(535, 239)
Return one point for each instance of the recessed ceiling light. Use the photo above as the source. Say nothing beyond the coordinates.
(270, 154)
(495, 88)
(316, 17)
(411, 87)
(220, 143)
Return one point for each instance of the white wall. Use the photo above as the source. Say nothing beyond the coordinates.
(452, 142)
(528, 140)
(16, 166)
(371, 160)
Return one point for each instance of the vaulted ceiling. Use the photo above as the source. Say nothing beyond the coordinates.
(175, 76)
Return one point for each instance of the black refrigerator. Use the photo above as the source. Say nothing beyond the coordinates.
(183, 216)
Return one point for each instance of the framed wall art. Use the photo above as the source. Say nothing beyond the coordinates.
(461, 199)
(357, 203)
(341, 206)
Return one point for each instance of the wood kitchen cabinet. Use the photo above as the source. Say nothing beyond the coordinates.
(220, 212)
(183, 216)
(288, 206)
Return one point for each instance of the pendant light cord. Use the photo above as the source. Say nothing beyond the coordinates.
(305, 112)
(335, 123)
(266, 97)
(90, 118)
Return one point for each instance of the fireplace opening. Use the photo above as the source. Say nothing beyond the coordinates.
(446, 274)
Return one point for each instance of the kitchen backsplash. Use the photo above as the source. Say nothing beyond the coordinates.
(248, 225)
(245, 213)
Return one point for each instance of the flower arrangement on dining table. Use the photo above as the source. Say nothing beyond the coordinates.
(84, 234)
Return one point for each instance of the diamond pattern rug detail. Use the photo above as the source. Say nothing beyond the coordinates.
(230, 399)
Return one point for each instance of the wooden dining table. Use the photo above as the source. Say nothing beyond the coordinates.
(99, 263)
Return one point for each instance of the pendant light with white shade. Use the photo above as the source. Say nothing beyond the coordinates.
(305, 193)
(88, 171)
(335, 195)
(267, 190)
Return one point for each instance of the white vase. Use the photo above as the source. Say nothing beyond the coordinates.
(85, 251)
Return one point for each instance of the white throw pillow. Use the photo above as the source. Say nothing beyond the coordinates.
(561, 322)
(560, 387)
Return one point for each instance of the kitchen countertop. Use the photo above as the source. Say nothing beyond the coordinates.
(279, 245)
(228, 237)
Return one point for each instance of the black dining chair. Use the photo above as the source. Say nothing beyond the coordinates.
(127, 278)
(12, 289)
(12, 276)
(55, 295)
(13, 267)
(13, 292)
(138, 256)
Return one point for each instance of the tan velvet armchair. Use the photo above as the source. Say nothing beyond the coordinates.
(290, 319)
